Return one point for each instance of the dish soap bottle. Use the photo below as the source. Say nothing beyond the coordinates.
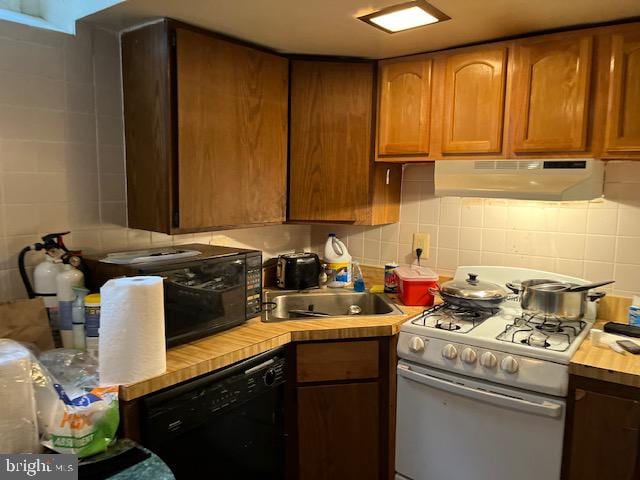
(358, 279)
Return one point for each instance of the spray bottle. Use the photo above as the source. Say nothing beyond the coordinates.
(65, 281)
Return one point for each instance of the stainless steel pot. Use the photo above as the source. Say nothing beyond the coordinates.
(549, 297)
(471, 293)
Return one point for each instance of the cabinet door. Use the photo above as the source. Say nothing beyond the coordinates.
(474, 102)
(405, 107)
(339, 431)
(605, 438)
(551, 94)
(232, 133)
(330, 140)
(623, 115)
(385, 207)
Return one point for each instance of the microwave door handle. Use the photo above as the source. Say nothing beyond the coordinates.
(547, 409)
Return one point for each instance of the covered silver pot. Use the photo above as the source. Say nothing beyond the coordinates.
(472, 293)
(542, 296)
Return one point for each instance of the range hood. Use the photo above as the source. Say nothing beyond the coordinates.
(548, 179)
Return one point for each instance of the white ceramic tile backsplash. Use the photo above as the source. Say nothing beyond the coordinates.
(62, 155)
(596, 240)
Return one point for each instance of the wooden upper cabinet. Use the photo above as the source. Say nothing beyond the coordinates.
(331, 171)
(205, 128)
(232, 133)
(405, 107)
(623, 113)
(550, 109)
(474, 101)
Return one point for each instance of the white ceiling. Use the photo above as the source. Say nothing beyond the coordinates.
(329, 26)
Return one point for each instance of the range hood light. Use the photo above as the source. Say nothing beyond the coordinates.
(405, 16)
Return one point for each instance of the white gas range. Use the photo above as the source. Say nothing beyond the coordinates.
(481, 395)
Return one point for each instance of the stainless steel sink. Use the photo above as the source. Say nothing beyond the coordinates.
(316, 304)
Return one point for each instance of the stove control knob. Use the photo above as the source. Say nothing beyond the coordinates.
(449, 352)
(488, 360)
(509, 364)
(469, 356)
(416, 345)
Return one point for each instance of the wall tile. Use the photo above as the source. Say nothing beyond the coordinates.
(468, 257)
(21, 219)
(495, 216)
(430, 211)
(602, 221)
(471, 239)
(600, 248)
(471, 212)
(18, 156)
(628, 250)
(598, 270)
(449, 213)
(572, 221)
(570, 245)
(389, 233)
(371, 249)
(629, 223)
(406, 232)
(112, 187)
(628, 278)
(388, 252)
(79, 97)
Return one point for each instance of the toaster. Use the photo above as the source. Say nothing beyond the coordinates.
(297, 271)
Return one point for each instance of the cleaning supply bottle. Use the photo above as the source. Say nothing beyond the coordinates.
(77, 315)
(358, 279)
(44, 282)
(338, 261)
(92, 323)
(634, 312)
(65, 281)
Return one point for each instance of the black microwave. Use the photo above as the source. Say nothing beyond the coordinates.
(213, 290)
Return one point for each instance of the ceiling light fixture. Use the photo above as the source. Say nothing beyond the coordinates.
(405, 16)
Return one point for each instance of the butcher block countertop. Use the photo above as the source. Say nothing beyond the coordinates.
(199, 357)
(602, 363)
(211, 353)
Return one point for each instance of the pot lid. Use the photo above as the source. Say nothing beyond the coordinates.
(473, 288)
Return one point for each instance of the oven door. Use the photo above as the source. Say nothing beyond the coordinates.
(451, 427)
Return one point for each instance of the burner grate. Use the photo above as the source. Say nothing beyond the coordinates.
(452, 318)
(542, 331)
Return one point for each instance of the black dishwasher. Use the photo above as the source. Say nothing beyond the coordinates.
(226, 425)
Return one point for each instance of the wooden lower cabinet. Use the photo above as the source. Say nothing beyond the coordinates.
(338, 431)
(341, 423)
(602, 439)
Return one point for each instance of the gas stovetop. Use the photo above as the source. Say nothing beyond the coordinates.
(543, 331)
(452, 318)
(507, 328)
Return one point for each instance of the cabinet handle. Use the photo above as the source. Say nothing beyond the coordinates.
(388, 176)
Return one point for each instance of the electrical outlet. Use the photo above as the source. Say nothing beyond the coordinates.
(421, 240)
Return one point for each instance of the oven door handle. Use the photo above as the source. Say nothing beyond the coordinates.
(545, 408)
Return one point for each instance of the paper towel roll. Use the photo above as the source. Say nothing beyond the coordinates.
(18, 421)
(132, 341)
